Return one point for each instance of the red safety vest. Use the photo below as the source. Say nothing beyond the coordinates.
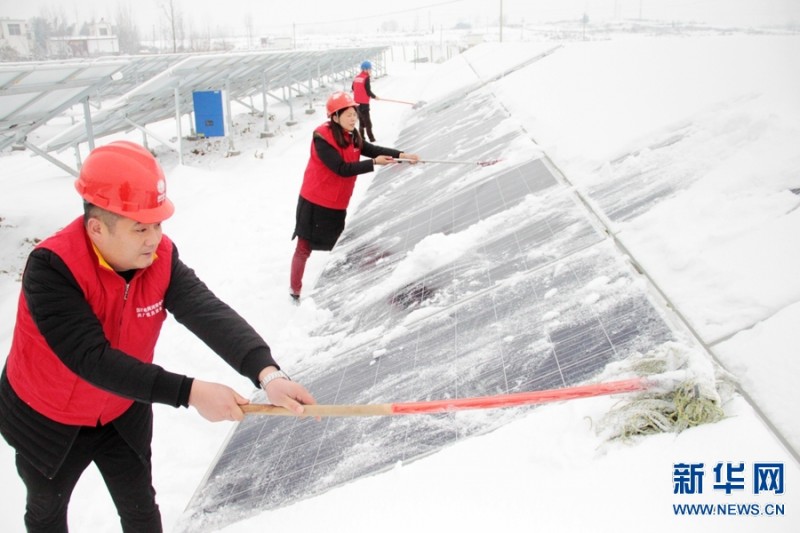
(131, 324)
(321, 185)
(360, 89)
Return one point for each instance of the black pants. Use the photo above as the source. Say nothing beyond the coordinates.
(365, 122)
(127, 477)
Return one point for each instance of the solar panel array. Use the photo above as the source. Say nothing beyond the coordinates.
(242, 74)
(141, 89)
(33, 93)
(451, 280)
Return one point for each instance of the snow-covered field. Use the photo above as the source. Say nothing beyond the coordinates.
(713, 117)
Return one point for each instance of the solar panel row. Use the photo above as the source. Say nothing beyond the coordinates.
(450, 281)
(141, 89)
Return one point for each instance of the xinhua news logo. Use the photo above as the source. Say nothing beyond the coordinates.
(761, 483)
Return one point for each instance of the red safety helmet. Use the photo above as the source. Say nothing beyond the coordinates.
(124, 178)
(338, 101)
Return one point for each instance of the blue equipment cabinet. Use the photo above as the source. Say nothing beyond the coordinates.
(209, 115)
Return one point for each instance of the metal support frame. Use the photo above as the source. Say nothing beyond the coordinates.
(310, 109)
(156, 137)
(340, 69)
(228, 121)
(41, 153)
(291, 121)
(87, 118)
(264, 84)
(251, 106)
(177, 93)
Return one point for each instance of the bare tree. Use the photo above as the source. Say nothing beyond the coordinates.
(9, 54)
(208, 39)
(41, 30)
(127, 31)
(192, 35)
(198, 37)
(248, 24)
(56, 19)
(173, 16)
(180, 29)
(51, 23)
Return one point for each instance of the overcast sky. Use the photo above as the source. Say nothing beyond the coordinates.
(270, 16)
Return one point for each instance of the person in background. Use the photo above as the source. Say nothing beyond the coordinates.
(79, 382)
(362, 92)
(329, 180)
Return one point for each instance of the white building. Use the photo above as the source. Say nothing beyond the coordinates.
(276, 43)
(101, 41)
(14, 34)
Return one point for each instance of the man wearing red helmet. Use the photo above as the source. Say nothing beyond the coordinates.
(329, 180)
(79, 381)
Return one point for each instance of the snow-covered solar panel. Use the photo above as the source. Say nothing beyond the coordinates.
(137, 70)
(620, 201)
(34, 92)
(451, 281)
(242, 74)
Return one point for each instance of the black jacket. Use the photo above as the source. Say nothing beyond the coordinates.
(44, 442)
(333, 159)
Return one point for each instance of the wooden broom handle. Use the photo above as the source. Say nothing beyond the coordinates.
(378, 409)
(443, 406)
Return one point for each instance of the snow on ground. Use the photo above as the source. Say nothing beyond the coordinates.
(717, 116)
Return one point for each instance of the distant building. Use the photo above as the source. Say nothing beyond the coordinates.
(276, 43)
(473, 39)
(15, 35)
(101, 41)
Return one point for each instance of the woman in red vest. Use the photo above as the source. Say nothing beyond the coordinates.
(328, 182)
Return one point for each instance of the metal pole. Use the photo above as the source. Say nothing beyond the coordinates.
(41, 153)
(155, 136)
(291, 121)
(501, 21)
(87, 119)
(266, 132)
(228, 119)
(177, 93)
(310, 109)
